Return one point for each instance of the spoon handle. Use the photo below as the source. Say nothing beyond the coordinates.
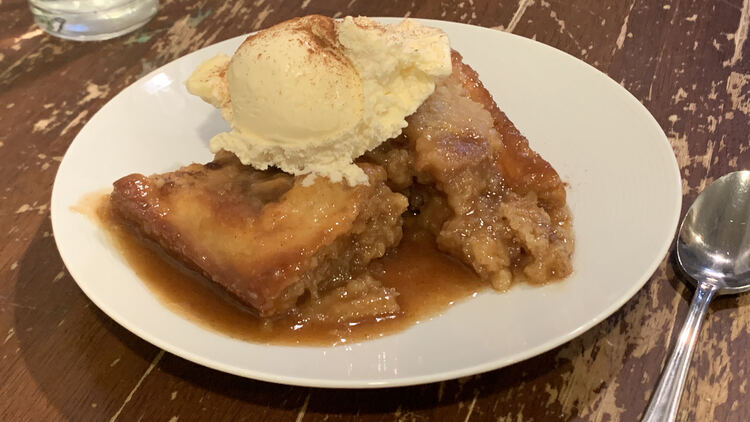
(666, 398)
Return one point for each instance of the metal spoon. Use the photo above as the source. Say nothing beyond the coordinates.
(713, 248)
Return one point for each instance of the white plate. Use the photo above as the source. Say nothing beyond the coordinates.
(625, 195)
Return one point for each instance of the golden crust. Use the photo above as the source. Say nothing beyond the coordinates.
(258, 234)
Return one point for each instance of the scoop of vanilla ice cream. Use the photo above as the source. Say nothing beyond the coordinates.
(290, 84)
(312, 94)
(398, 66)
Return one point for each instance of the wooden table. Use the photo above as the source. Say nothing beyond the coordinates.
(63, 359)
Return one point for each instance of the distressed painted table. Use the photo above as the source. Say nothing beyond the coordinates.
(63, 359)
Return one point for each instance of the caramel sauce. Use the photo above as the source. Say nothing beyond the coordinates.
(428, 283)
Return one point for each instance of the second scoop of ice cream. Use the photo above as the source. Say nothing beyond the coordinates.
(312, 94)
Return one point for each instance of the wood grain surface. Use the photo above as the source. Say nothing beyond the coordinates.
(61, 358)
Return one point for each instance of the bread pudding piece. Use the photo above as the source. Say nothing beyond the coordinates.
(262, 235)
(488, 197)
(361, 299)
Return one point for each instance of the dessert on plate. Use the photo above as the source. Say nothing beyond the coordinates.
(475, 183)
(262, 235)
(346, 136)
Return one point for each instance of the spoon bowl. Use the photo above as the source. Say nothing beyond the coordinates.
(714, 241)
(713, 249)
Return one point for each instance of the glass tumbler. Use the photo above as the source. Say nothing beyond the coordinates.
(91, 20)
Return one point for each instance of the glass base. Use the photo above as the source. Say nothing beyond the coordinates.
(98, 24)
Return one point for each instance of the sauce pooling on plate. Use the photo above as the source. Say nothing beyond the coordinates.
(428, 282)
